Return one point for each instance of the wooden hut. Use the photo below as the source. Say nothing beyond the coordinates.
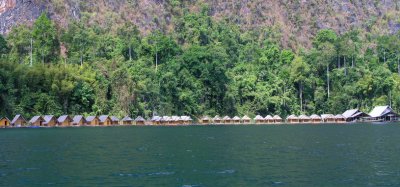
(126, 121)
(105, 120)
(292, 119)
(217, 120)
(328, 118)
(36, 121)
(236, 120)
(18, 121)
(354, 115)
(187, 120)
(156, 120)
(114, 120)
(269, 119)
(165, 120)
(175, 120)
(78, 120)
(340, 118)
(315, 118)
(205, 120)
(138, 121)
(227, 120)
(4, 122)
(64, 121)
(277, 119)
(383, 113)
(259, 120)
(304, 119)
(246, 120)
(49, 121)
(92, 120)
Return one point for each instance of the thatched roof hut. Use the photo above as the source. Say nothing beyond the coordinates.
(64, 121)
(105, 120)
(246, 119)
(78, 120)
(236, 120)
(269, 119)
(315, 118)
(36, 121)
(187, 120)
(227, 120)
(217, 120)
(49, 121)
(340, 118)
(328, 118)
(205, 120)
(277, 119)
(259, 119)
(114, 120)
(292, 119)
(156, 120)
(92, 120)
(304, 119)
(18, 121)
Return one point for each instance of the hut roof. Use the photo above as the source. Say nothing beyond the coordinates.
(380, 111)
(103, 118)
(354, 113)
(205, 118)
(64, 118)
(35, 118)
(327, 116)
(1, 118)
(227, 118)
(277, 117)
(90, 118)
(48, 118)
(156, 118)
(114, 118)
(175, 118)
(268, 117)
(258, 117)
(340, 116)
(138, 119)
(166, 118)
(304, 117)
(236, 118)
(126, 118)
(18, 116)
(216, 118)
(315, 116)
(186, 118)
(246, 117)
(78, 118)
(292, 117)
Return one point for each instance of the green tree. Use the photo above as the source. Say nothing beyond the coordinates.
(45, 39)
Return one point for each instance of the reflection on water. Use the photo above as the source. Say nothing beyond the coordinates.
(326, 155)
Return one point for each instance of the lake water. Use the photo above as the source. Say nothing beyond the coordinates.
(303, 155)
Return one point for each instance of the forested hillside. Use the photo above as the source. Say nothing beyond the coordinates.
(201, 66)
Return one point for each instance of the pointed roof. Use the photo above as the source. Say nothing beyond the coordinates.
(277, 117)
(78, 118)
(166, 118)
(315, 116)
(63, 118)
(114, 118)
(246, 117)
(103, 118)
(258, 117)
(326, 116)
(17, 117)
(91, 118)
(138, 119)
(268, 117)
(292, 117)
(36, 118)
(304, 117)
(236, 118)
(1, 118)
(227, 118)
(380, 111)
(48, 118)
(205, 118)
(156, 118)
(127, 118)
(340, 116)
(217, 118)
(350, 113)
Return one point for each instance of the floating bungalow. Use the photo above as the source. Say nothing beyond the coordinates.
(315, 118)
(156, 120)
(236, 120)
(49, 121)
(382, 114)
(277, 119)
(227, 120)
(304, 119)
(78, 120)
(4, 122)
(176, 120)
(205, 120)
(328, 118)
(18, 121)
(92, 121)
(269, 119)
(36, 121)
(64, 121)
(259, 119)
(105, 120)
(292, 119)
(217, 120)
(114, 120)
(354, 115)
(165, 120)
(246, 120)
(186, 120)
(340, 118)
(138, 121)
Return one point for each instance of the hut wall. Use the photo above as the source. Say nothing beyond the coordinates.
(65, 123)
(4, 123)
(20, 122)
(137, 123)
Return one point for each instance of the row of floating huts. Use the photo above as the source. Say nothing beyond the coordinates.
(378, 114)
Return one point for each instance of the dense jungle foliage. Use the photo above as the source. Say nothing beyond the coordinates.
(204, 67)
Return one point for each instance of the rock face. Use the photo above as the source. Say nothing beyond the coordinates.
(296, 20)
(14, 12)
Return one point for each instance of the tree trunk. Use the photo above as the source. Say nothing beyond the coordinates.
(130, 52)
(327, 78)
(301, 96)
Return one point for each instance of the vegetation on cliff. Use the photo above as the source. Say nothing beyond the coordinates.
(204, 66)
